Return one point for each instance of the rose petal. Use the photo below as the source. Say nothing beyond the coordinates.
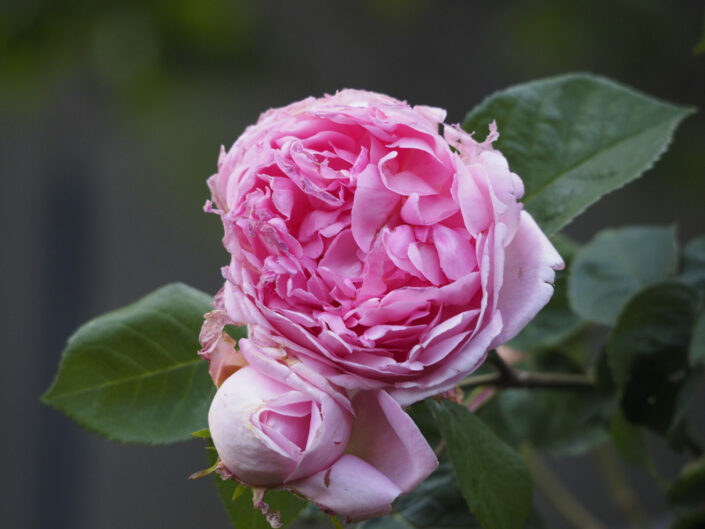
(387, 438)
(372, 206)
(529, 271)
(350, 487)
(427, 210)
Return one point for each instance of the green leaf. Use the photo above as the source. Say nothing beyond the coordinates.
(696, 349)
(655, 322)
(241, 511)
(236, 331)
(693, 272)
(615, 265)
(133, 375)
(574, 138)
(630, 443)
(647, 353)
(436, 504)
(561, 423)
(425, 422)
(204, 433)
(493, 478)
(685, 496)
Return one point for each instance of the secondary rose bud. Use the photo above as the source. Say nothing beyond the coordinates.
(379, 251)
(268, 433)
(284, 430)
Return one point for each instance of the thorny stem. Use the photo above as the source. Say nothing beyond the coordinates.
(507, 377)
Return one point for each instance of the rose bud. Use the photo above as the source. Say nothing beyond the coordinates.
(281, 430)
(379, 251)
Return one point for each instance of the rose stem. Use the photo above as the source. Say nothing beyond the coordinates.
(556, 493)
(511, 378)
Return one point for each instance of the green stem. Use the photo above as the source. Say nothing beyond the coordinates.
(622, 493)
(556, 493)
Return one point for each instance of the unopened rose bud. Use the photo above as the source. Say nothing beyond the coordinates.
(279, 425)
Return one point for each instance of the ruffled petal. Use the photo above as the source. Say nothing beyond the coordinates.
(530, 265)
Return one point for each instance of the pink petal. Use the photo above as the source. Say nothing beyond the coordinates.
(427, 210)
(457, 366)
(530, 265)
(283, 195)
(474, 204)
(385, 436)
(350, 487)
(407, 171)
(373, 204)
(456, 253)
(341, 256)
(425, 258)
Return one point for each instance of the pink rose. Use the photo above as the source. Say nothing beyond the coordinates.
(374, 249)
(280, 425)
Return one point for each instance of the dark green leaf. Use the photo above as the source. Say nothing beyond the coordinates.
(435, 504)
(574, 138)
(688, 490)
(696, 348)
(647, 352)
(236, 332)
(655, 322)
(493, 478)
(694, 519)
(242, 513)
(133, 375)
(421, 415)
(686, 494)
(630, 443)
(687, 389)
(562, 423)
(615, 265)
(694, 263)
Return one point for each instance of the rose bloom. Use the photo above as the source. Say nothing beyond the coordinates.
(378, 251)
(277, 424)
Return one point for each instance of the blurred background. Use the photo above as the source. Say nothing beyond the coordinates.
(112, 114)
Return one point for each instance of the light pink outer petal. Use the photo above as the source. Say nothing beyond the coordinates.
(350, 487)
(387, 438)
(529, 271)
(244, 450)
